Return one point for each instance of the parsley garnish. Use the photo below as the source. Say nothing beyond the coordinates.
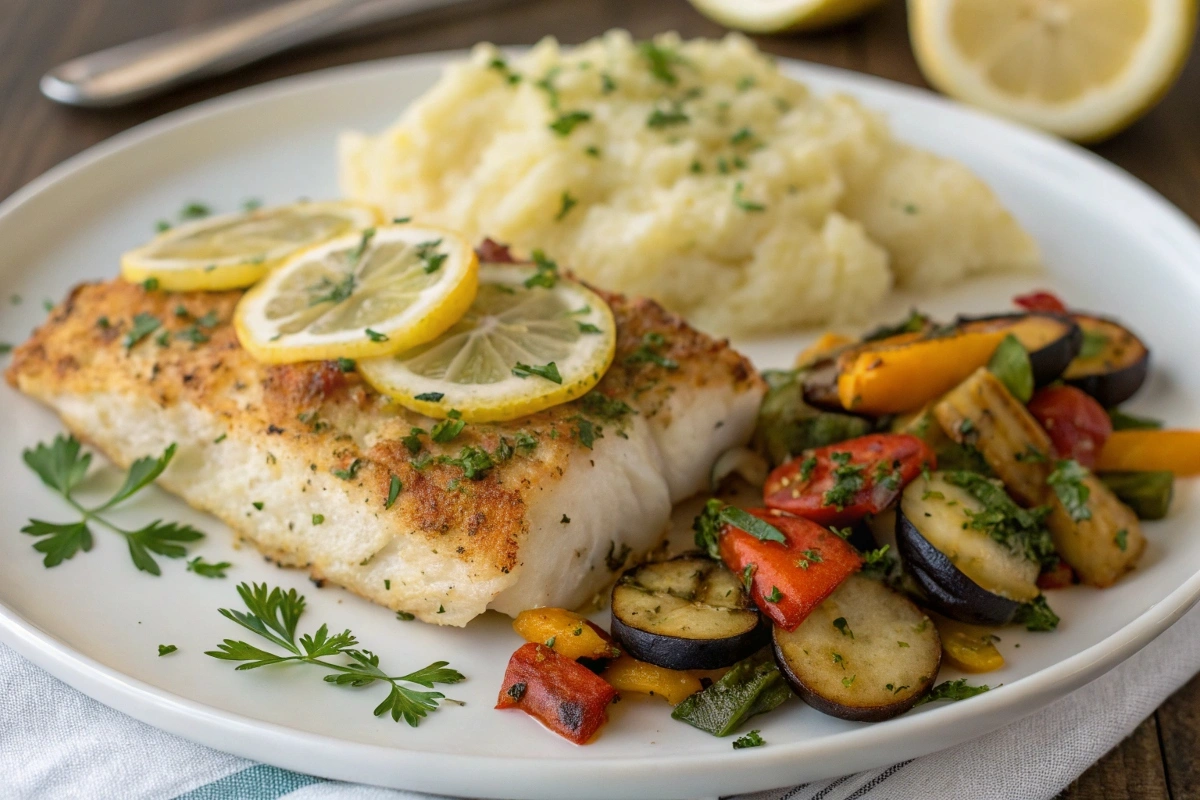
(549, 371)
(585, 431)
(394, 487)
(843, 627)
(648, 352)
(806, 468)
(568, 202)
(206, 570)
(664, 119)
(751, 739)
(501, 66)
(166, 649)
(1121, 539)
(743, 135)
(474, 462)
(598, 404)
(318, 519)
(274, 614)
(607, 84)
(1067, 482)
(615, 559)
(587, 327)
(547, 272)
(143, 325)
(748, 577)
(349, 472)
(1003, 520)
(1036, 615)
(953, 690)
(326, 291)
(743, 203)
(848, 482)
(660, 60)
(62, 466)
(346, 364)
(194, 210)
(150, 284)
(413, 440)
(376, 336)
(404, 616)
(430, 397)
(716, 515)
(567, 122)
(448, 429)
(775, 596)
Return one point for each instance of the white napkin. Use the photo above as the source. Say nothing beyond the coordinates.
(56, 742)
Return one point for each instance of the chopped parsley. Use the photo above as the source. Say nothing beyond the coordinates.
(748, 577)
(716, 515)
(394, 487)
(350, 472)
(258, 505)
(473, 461)
(430, 397)
(150, 284)
(376, 336)
(585, 431)
(430, 258)
(326, 291)
(547, 272)
(742, 135)
(448, 429)
(648, 352)
(587, 327)
(848, 681)
(751, 739)
(607, 84)
(192, 334)
(143, 325)
(775, 596)
(953, 690)
(664, 119)
(1121, 539)
(195, 210)
(1067, 481)
(568, 202)
(1021, 530)
(569, 121)
(848, 481)
(843, 627)
(808, 558)
(660, 61)
(548, 371)
(413, 440)
(1036, 615)
(501, 66)
(615, 559)
(206, 570)
(806, 467)
(404, 616)
(317, 519)
(742, 203)
(166, 649)
(598, 404)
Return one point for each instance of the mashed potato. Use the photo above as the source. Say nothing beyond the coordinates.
(692, 172)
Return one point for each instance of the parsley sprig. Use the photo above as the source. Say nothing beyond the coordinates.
(273, 614)
(62, 466)
(716, 515)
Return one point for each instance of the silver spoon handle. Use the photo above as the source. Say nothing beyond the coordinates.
(145, 67)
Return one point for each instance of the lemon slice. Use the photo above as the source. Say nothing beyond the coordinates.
(522, 346)
(774, 16)
(1084, 69)
(368, 293)
(232, 251)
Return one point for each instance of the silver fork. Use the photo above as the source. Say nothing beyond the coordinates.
(152, 65)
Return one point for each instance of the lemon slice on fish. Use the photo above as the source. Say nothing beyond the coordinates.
(369, 293)
(232, 251)
(530, 340)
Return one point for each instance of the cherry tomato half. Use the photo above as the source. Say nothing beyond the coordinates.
(1040, 301)
(841, 483)
(1077, 424)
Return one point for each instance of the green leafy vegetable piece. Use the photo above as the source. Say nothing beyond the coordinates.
(953, 690)
(1011, 365)
(547, 371)
(143, 325)
(1036, 615)
(751, 739)
(206, 570)
(753, 686)
(1067, 481)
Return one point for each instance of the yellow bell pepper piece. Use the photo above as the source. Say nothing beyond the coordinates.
(627, 674)
(968, 647)
(567, 633)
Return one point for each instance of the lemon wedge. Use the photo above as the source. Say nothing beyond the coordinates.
(530, 340)
(232, 251)
(367, 293)
(775, 16)
(1084, 69)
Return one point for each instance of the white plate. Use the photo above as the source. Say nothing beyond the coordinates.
(1111, 244)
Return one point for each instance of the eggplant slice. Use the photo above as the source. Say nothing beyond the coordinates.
(865, 654)
(1052, 340)
(686, 613)
(1113, 363)
(967, 575)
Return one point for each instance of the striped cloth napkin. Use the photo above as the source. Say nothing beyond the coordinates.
(56, 742)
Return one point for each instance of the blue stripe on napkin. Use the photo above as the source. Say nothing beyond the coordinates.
(259, 782)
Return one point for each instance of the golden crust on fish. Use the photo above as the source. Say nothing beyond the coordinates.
(319, 449)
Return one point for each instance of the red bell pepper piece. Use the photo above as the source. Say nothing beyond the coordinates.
(842, 483)
(1059, 577)
(787, 581)
(562, 694)
(1077, 424)
(1040, 301)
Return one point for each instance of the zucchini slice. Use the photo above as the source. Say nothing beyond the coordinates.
(686, 613)
(1113, 363)
(865, 654)
(981, 412)
(967, 574)
(1052, 340)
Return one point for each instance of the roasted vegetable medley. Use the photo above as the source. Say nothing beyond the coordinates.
(924, 485)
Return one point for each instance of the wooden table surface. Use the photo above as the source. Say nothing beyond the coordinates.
(1162, 758)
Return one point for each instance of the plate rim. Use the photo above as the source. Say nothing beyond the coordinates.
(663, 776)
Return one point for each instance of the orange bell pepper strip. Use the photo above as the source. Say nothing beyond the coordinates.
(569, 634)
(1175, 451)
(562, 694)
(787, 581)
(825, 345)
(893, 380)
(627, 674)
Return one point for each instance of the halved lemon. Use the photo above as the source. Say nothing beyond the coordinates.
(232, 251)
(530, 340)
(1084, 69)
(368, 293)
(775, 16)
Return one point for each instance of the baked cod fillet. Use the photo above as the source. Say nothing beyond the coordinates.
(508, 516)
